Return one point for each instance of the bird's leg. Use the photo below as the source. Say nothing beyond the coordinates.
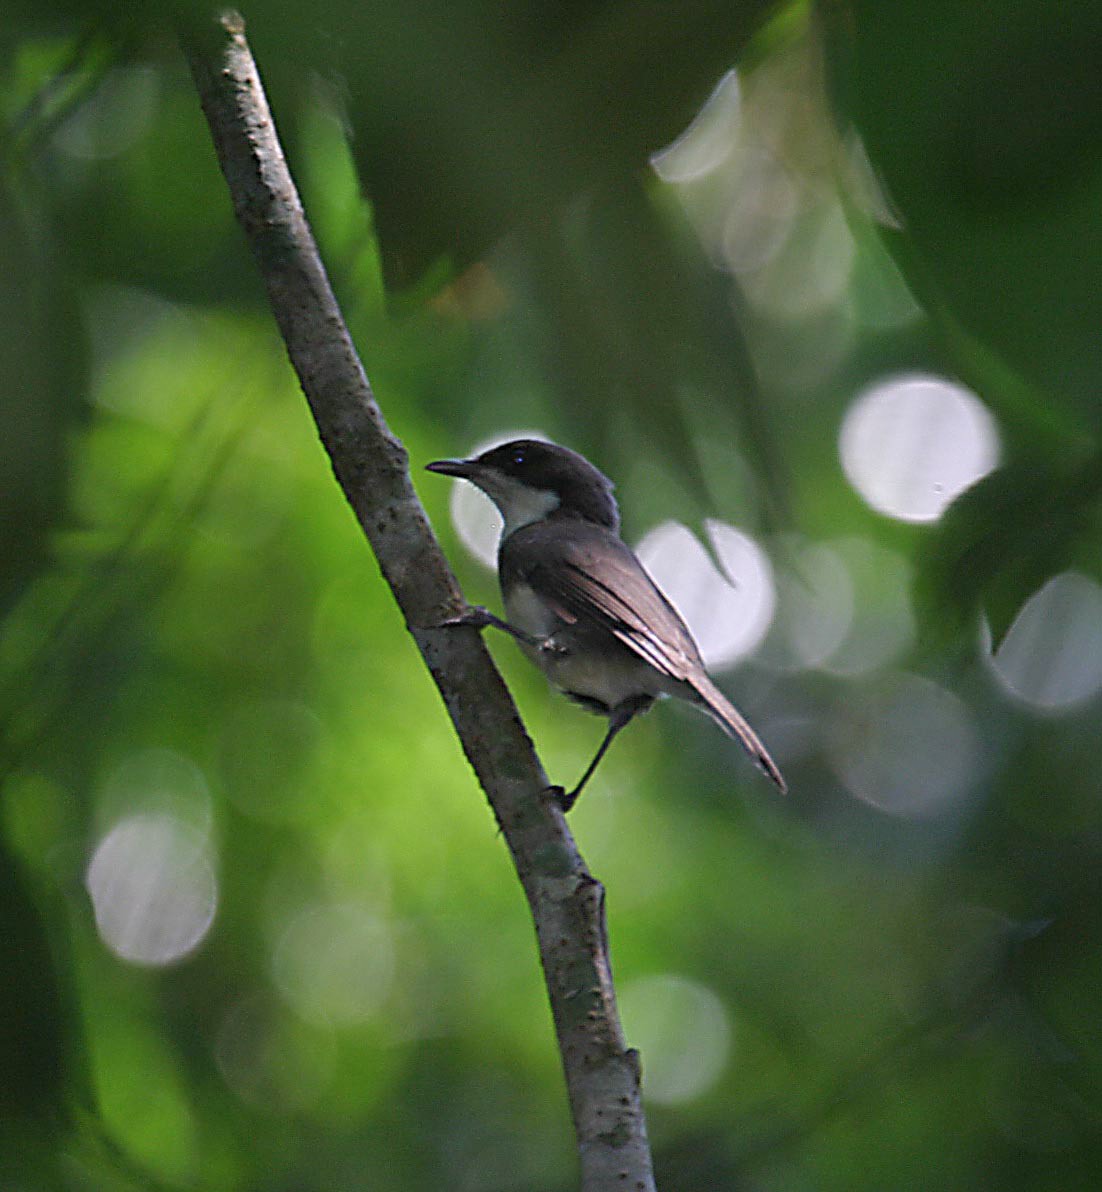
(619, 718)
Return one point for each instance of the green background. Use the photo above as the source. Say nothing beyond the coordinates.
(192, 622)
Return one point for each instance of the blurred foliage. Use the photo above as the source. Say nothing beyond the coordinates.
(893, 990)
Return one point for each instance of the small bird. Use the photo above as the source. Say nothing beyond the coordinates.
(580, 602)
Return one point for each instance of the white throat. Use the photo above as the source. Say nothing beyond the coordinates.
(520, 504)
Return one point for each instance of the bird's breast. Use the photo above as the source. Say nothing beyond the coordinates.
(584, 662)
(526, 610)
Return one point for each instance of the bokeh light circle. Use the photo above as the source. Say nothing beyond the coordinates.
(1051, 657)
(883, 625)
(843, 606)
(809, 274)
(156, 781)
(708, 140)
(906, 746)
(153, 890)
(334, 962)
(758, 216)
(683, 1031)
(728, 614)
(815, 607)
(911, 444)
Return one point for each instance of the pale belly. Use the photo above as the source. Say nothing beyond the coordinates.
(592, 665)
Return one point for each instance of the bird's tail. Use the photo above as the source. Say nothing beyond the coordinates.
(733, 723)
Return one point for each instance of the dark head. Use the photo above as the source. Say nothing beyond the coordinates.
(529, 480)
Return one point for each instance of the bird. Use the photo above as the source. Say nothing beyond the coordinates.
(579, 601)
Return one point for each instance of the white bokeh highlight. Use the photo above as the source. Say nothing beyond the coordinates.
(757, 217)
(476, 520)
(815, 607)
(683, 1031)
(810, 272)
(883, 625)
(334, 962)
(910, 445)
(1051, 657)
(156, 781)
(708, 140)
(906, 746)
(153, 889)
(728, 614)
(843, 606)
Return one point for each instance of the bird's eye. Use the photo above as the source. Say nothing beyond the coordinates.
(519, 459)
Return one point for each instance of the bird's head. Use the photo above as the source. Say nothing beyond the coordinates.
(529, 480)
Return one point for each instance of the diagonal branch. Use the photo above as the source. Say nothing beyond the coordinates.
(371, 466)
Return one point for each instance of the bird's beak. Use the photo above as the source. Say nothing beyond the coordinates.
(463, 468)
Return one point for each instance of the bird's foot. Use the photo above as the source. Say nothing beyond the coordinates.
(477, 617)
(550, 648)
(558, 795)
(474, 616)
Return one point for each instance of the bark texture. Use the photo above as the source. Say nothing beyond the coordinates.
(371, 466)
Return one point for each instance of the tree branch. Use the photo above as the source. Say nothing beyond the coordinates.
(371, 466)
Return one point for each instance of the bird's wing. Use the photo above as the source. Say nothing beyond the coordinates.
(589, 577)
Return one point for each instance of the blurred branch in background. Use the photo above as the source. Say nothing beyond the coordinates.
(66, 622)
(602, 1075)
